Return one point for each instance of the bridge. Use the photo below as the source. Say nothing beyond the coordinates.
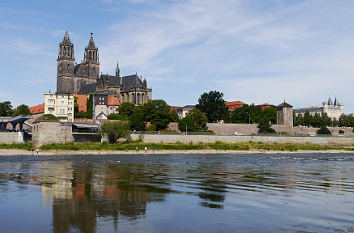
(14, 121)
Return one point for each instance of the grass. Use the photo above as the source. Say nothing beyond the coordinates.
(20, 146)
(239, 146)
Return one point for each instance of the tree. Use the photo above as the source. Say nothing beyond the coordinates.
(117, 116)
(126, 109)
(115, 130)
(325, 120)
(249, 114)
(307, 118)
(157, 112)
(174, 116)
(270, 113)
(264, 126)
(6, 108)
(316, 120)
(213, 106)
(137, 121)
(323, 130)
(195, 121)
(21, 110)
(299, 120)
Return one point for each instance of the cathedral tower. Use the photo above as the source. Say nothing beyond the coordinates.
(91, 58)
(65, 65)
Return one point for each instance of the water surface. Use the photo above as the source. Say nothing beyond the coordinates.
(177, 193)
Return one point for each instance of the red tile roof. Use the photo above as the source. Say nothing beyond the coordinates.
(113, 101)
(232, 105)
(174, 108)
(82, 102)
(38, 109)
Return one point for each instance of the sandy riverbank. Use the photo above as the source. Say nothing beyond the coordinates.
(133, 152)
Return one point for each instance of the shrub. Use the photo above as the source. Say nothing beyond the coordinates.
(341, 131)
(323, 130)
(115, 130)
(47, 117)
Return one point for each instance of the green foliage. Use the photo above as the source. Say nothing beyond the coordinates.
(137, 121)
(174, 116)
(157, 112)
(47, 117)
(195, 121)
(89, 112)
(264, 126)
(238, 146)
(19, 146)
(341, 131)
(307, 118)
(6, 108)
(117, 116)
(270, 113)
(251, 114)
(323, 130)
(126, 109)
(115, 130)
(21, 110)
(213, 106)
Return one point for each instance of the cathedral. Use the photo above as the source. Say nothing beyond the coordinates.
(85, 78)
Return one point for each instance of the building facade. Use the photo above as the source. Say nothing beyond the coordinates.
(85, 78)
(333, 110)
(60, 105)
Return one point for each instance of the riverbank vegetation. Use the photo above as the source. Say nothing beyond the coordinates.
(238, 146)
(19, 146)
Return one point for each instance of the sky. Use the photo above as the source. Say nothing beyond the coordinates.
(254, 51)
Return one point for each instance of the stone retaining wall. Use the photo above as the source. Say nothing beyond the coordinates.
(248, 129)
(51, 132)
(266, 139)
(11, 137)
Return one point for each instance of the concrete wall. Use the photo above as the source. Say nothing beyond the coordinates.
(51, 132)
(266, 139)
(248, 129)
(11, 137)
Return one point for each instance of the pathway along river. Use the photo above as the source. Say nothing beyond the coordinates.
(177, 193)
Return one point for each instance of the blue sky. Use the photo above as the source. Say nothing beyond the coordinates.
(251, 50)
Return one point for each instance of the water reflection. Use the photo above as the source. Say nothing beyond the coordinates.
(84, 192)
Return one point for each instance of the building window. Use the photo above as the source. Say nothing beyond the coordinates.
(51, 96)
(51, 102)
(70, 109)
(70, 114)
(70, 103)
(62, 103)
(62, 111)
(62, 96)
(51, 110)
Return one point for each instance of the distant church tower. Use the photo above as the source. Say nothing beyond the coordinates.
(91, 58)
(65, 66)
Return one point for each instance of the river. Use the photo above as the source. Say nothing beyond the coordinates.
(177, 193)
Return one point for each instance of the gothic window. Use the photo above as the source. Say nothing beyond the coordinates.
(142, 98)
(68, 68)
(138, 102)
(93, 71)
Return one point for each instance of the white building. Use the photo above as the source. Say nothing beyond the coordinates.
(333, 110)
(182, 112)
(60, 105)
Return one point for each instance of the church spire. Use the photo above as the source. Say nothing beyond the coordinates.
(66, 48)
(91, 51)
(330, 101)
(117, 70)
